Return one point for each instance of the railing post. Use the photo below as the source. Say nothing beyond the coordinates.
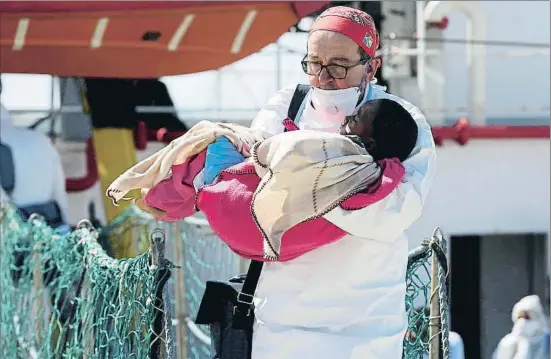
(162, 318)
(439, 302)
(180, 291)
(434, 320)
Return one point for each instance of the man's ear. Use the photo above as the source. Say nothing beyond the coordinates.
(375, 64)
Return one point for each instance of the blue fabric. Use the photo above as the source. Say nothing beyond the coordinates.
(221, 154)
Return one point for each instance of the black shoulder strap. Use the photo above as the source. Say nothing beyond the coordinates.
(246, 295)
(7, 169)
(296, 101)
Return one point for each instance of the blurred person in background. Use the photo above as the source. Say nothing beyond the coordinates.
(457, 349)
(32, 179)
(31, 174)
(529, 338)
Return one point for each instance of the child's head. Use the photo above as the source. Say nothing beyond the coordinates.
(386, 129)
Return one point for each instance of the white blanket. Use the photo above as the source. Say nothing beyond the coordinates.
(305, 174)
(155, 168)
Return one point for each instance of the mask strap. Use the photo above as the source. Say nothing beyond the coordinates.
(364, 83)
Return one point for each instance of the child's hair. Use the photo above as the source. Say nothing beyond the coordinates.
(393, 129)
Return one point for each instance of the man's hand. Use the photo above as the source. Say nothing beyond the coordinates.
(140, 202)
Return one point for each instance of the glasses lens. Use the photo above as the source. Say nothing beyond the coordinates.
(304, 66)
(336, 71)
(311, 68)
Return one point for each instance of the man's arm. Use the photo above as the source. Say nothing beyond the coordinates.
(270, 118)
(388, 218)
(507, 347)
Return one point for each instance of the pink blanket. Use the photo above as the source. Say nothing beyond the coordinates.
(176, 194)
(227, 206)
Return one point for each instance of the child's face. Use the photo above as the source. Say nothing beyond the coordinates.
(358, 125)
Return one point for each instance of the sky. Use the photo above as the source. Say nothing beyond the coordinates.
(237, 91)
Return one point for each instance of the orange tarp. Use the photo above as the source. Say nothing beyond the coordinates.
(138, 39)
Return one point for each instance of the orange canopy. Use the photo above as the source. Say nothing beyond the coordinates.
(138, 39)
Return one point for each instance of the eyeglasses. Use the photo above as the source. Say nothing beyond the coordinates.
(338, 72)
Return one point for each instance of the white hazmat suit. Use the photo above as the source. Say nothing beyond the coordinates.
(345, 300)
(39, 176)
(527, 340)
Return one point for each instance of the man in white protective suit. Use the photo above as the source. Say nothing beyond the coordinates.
(529, 338)
(31, 173)
(345, 300)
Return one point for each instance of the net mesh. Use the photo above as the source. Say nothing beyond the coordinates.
(418, 299)
(85, 304)
(201, 255)
(63, 297)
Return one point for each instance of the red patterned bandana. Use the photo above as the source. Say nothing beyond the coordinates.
(352, 23)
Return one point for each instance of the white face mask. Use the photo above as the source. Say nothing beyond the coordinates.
(526, 328)
(331, 106)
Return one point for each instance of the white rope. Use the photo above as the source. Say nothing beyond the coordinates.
(198, 221)
(195, 330)
(390, 51)
(31, 350)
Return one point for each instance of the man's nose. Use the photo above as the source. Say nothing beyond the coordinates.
(324, 77)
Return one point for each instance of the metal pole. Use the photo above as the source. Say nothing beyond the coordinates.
(434, 320)
(218, 92)
(476, 62)
(52, 94)
(52, 108)
(278, 66)
(476, 53)
(40, 303)
(180, 292)
(162, 318)
(421, 48)
(200, 111)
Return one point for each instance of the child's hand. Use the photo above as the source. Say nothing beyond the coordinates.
(221, 154)
(155, 212)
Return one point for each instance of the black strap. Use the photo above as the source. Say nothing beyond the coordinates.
(300, 93)
(7, 169)
(246, 295)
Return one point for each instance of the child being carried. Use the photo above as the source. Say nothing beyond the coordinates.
(291, 180)
(306, 174)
